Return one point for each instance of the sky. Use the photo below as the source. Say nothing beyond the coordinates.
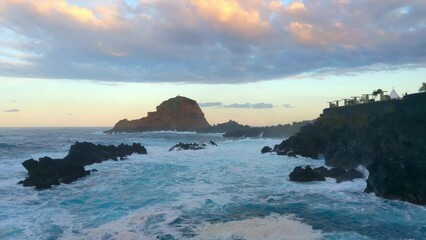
(67, 63)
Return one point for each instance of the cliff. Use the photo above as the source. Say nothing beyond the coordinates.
(388, 137)
(178, 113)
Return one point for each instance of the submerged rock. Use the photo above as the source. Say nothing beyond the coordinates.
(45, 172)
(306, 174)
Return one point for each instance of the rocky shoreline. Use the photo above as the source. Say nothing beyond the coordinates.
(387, 137)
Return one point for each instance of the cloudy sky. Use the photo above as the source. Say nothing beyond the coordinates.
(74, 63)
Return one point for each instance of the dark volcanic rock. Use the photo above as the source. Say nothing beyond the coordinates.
(266, 149)
(306, 143)
(87, 153)
(191, 146)
(306, 174)
(398, 171)
(179, 113)
(349, 176)
(318, 174)
(333, 172)
(46, 172)
(387, 137)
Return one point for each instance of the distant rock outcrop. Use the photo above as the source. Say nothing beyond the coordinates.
(178, 113)
(387, 137)
(223, 127)
(278, 131)
(46, 171)
(232, 129)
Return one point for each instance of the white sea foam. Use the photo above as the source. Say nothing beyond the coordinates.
(273, 227)
(141, 224)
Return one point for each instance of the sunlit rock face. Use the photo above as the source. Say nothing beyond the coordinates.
(178, 113)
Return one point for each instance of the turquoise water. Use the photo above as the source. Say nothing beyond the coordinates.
(226, 192)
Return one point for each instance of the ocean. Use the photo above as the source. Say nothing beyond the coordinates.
(230, 191)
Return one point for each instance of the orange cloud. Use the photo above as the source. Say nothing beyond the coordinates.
(296, 6)
(275, 5)
(232, 15)
(302, 31)
(104, 17)
(322, 36)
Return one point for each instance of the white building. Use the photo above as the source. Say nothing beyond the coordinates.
(394, 94)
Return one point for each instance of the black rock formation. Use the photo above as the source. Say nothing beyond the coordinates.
(87, 153)
(306, 174)
(309, 174)
(387, 137)
(191, 146)
(45, 172)
(266, 149)
(333, 173)
(349, 176)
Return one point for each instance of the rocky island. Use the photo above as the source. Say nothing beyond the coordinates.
(387, 137)
(178, 113)
(184, 114)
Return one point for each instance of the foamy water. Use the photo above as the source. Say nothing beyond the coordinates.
(271, 227)
(226, 192)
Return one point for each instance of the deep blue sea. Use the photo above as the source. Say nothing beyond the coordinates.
(226, 192)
